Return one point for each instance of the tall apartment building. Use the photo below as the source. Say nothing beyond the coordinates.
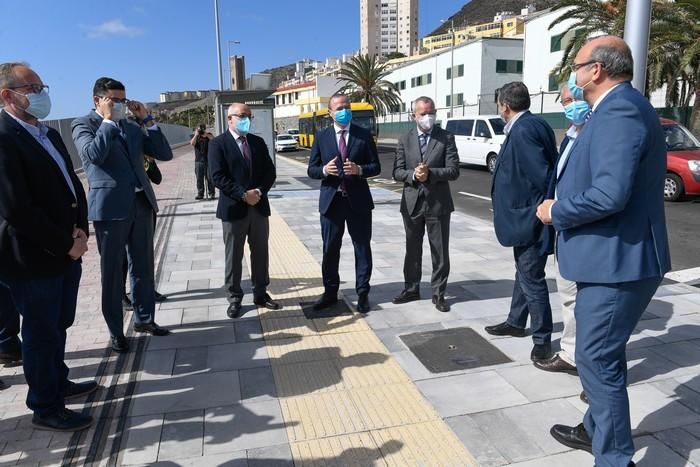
(388, 26)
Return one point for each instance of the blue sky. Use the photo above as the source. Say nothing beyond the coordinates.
(169, 45)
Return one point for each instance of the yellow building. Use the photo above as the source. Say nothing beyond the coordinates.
(506, 27)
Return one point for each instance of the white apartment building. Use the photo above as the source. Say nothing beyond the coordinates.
(295, 99)
(388, 26)
(481, 66)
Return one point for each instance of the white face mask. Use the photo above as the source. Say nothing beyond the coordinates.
(118, 111)
(426, 122)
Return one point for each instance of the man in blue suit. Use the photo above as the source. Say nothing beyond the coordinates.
(520, 179)
(121, 201)
(612, 240)
(343, 156)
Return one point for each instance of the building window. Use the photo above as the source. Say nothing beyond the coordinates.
(459, 99)
(553, 83)
(555, 43)
(421, 80)
(459, 71)
(509, 66)
(403, 107)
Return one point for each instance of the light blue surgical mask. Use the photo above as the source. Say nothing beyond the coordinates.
(343, 116)
(39, 104)
(576, 112)
(243, 126)
(118, 111)
(576, 90)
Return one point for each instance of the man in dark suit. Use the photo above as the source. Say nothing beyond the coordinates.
(243, 171)
(10, 345)
(426, 161)
(612, 239)
(343, 156)
(520, 179)
(43, 235)
(121, 201)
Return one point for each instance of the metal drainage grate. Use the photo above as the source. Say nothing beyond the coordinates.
(453, 350)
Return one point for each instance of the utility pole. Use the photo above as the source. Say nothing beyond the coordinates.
(637, 25)
(452, 65)
(218, 45)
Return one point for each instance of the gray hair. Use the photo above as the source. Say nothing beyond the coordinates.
(425, 100)
(8, 78)
(616, 60)
(515, 95)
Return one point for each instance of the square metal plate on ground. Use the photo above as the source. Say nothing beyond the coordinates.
(453, 350)
(338, 309)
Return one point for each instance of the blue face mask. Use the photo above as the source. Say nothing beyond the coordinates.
(576, 112)
(576, 90)
(243, 126)
(343, 117)
(39, 104)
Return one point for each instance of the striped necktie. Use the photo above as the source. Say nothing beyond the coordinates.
(423, 140)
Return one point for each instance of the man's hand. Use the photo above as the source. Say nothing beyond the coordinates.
(104, 106)
(544, 210)
(421, 172)
(138, 109)
(252, 197)
(331, 168)
(79, 247)
(350, 168)
(79, 233)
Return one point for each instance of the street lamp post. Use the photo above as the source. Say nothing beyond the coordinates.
(230, 70)
(637, 24)
(452, 65)
(218, 45)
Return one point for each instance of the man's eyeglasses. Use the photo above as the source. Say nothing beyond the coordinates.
(36, 88)
(575, 66)
(116, 100)
(241, 116)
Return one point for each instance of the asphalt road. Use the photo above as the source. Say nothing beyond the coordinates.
(472, 192)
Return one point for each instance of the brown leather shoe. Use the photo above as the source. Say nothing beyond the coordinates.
(556, 364)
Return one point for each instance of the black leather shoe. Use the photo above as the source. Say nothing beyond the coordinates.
(198, 197)
(160, 297)
(120, 344)
(583, 397)
(212, 197)
(234, 310)
(3, 385)
(505, 329)
(325, 301)
(10, 357)
(572, 436)
(63, 420)
(363, 303)
(405, 296)
(75, 390)
(267, 302)
(152, 329)
(440, 303)
(126, 303)
(556, 364)
(541, 352)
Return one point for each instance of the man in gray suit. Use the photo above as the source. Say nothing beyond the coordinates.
(121, 201)
(426, 161)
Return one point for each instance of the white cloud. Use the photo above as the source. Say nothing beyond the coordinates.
(115, 27)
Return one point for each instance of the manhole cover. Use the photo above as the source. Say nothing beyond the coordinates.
(453, 350)
(338, 309)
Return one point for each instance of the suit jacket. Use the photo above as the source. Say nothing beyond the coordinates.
(38, 211)
(443, 165)
(610, 212)
(520, 179)
(233, 176)
(361, 150)
(112, 158)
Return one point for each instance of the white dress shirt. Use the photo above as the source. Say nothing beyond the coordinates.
(39, 133)
(511, 122)
(346, 136)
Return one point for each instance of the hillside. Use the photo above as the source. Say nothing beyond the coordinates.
(483, 11)
(280, 73)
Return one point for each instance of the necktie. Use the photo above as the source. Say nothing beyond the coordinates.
(423, 140)
(246, 150)
(342, 147)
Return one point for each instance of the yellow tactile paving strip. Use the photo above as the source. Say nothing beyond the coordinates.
(345, 400)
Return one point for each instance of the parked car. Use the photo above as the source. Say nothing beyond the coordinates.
(478, 138)
(285, 143)
(682, 161)
(294, 132)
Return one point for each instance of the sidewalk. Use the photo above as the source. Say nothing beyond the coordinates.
(275, 388)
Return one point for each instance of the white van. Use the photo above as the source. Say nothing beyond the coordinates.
(478, 138)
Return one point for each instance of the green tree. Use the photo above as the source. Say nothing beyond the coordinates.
(394, 55)
(364, 79)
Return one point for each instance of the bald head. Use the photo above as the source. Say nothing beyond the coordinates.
(612, 53)
(238, 108)
(237, 112)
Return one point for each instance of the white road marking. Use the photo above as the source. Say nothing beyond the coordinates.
(475, 196)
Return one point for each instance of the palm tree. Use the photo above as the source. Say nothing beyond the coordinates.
(364, 82)
(674, 48)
